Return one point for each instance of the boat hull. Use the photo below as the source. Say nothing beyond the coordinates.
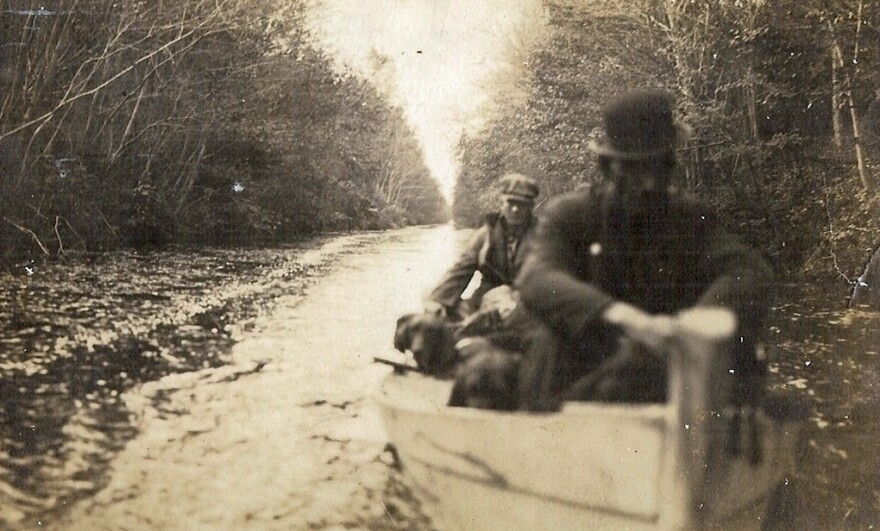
(590, 466)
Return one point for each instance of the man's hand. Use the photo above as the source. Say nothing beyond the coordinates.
(652, 331)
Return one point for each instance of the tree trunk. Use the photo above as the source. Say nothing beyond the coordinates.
(847, 92)
(835, 102)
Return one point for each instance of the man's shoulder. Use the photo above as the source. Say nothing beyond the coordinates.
(490, 222)
(492, 227)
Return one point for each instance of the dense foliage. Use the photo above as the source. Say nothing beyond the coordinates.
(212, 121)
(775, 91)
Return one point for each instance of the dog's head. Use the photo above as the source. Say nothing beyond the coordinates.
(487, 380)
(430, 340)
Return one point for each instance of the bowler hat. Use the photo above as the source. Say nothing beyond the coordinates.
(519, 186)
(638, 125)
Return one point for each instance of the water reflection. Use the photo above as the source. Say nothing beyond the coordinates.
(829, 354)
(75, 336)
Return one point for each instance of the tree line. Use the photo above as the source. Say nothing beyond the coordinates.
(776, 92)
(146, 123)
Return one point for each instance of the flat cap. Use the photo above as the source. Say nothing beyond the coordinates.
(519, 186)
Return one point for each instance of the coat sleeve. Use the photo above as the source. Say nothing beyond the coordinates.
(455, 280)
(740, 279)
(548, 282)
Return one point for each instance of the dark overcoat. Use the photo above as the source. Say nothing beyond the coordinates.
(588, 251)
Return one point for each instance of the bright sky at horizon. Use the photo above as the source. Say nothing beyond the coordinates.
(441, 51)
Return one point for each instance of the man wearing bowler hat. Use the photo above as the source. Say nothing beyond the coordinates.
(610, 264)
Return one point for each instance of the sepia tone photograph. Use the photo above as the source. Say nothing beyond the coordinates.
(440, 264)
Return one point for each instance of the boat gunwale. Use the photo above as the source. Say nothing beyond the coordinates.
(659, 412)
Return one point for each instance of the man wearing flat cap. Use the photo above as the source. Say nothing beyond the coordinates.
(495, 250)
(611, 263)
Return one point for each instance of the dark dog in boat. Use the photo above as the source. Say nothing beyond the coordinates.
(488, 377)
(485, 373)
(430, 339)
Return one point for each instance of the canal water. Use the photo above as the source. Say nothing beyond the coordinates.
(233, 388)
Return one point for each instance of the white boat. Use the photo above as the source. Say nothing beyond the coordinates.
(593, 465)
